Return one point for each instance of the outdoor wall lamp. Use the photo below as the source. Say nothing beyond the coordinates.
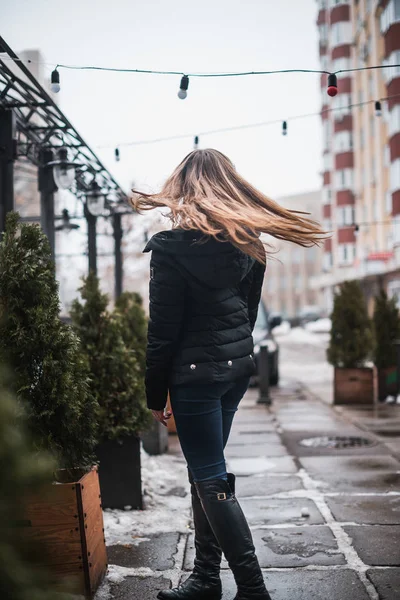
(66, 224)
(95, 200)
(63, 170)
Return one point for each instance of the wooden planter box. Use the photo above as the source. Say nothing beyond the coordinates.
(119, 472)
(65, 523)
(354, 386)
(387, 383)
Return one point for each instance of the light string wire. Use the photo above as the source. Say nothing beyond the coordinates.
(188, 74)
(246, 126)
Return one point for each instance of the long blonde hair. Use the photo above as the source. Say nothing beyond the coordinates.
(206, 193)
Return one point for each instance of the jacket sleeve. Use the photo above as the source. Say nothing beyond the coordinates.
(255, 291)
(167, 300)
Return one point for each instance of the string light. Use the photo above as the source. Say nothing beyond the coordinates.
(183, 87)
(246, 126)
(284, 128)
(378, 109)
(55, 81)
(332, 79)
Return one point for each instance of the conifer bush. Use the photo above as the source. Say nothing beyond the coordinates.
(129, 306)
(386, 322)
(50, 374)
(115, 370)
(22, 471)
(351, 334)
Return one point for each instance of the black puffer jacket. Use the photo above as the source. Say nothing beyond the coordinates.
(203, 305)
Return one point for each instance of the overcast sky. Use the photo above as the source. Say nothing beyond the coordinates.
(109, 109)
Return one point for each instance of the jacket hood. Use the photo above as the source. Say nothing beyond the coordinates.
(215, 263)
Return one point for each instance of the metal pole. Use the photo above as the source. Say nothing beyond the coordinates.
(263, 376)
(47, 187)
(7, 157)
(397, 344)
(117, 225)
(92, 239)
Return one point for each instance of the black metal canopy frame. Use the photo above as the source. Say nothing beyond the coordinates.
(41, 124)
(34, 127)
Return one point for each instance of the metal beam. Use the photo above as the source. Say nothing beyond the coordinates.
(117, 227)
(7, 156)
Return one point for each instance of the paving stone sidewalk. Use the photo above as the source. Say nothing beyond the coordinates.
(325, 520)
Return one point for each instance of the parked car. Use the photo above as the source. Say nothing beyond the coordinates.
(262, 334)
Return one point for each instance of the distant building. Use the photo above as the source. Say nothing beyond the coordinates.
(361, 150)
(287, 287)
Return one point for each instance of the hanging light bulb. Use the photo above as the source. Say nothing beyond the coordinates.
(284, 128)
(116, 154)
(356, 228)
(332, 85)
(196, 142)
(378, 109)
(66, 224)
(95, 200)
(183, 87)
(55, 81)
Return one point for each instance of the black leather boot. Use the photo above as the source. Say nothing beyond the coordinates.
(233, 534)
(204, 581)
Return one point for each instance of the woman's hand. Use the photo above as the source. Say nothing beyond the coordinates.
(162, 417)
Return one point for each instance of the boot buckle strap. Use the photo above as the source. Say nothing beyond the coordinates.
(221, 496)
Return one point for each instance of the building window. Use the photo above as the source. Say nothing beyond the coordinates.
(341, 106)
(322, 4)
(345, 215)
(323, 33)
(386, 156)
(344, 179)
(372, 124)
(341, 64)
(375, 210)
(325, 62)
(343, 141)
(297, 282)
(371, 85)
(328, 162)
(362, 138)
(341, 33)
(311, 254)
(395, 175)
(327, 261)
(327, 224)
(396, 229)
(326, 134)
(394, 120)
(326, 195)
(390, 15)
(346, 254)
(391, 72)
(296, 256)
(373, 170)
(388, 203)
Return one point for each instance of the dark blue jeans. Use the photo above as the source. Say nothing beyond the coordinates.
(203, 416)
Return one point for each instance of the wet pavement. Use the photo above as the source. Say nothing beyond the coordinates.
(325, 521)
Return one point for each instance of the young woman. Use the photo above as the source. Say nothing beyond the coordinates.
(206, 276)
